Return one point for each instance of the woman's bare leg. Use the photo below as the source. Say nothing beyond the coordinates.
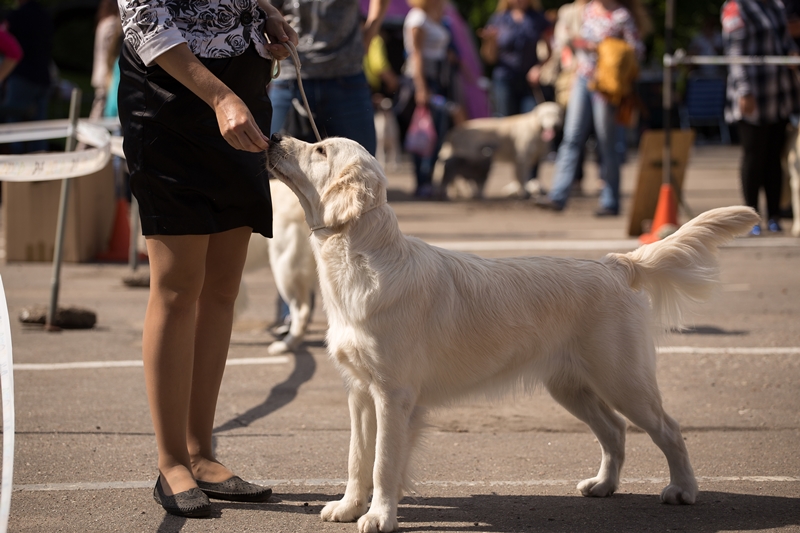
(177, 270)
(223, 271)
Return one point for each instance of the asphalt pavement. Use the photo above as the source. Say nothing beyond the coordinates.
(85, 450)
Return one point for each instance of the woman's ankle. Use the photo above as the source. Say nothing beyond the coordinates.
(176, 478)
(209, 469)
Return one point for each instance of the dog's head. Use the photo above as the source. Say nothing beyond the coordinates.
(551, 119)
(336, 180)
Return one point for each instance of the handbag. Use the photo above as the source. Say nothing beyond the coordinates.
(616, 71)
(421, 136)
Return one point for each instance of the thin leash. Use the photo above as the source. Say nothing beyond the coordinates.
(276, 70)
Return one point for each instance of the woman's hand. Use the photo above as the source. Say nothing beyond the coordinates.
(278, 31)
(534, 74)
(421, 96)
(237, 125)
(747, 105)
(489, 33)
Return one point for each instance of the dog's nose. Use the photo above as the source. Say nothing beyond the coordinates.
(276, 138)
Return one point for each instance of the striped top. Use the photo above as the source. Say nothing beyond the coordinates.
(758, 28)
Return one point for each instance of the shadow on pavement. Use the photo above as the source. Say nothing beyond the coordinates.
(281, 394)
(713, 512)
(710, 330)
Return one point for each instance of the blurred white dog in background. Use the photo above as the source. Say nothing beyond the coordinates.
(290, 258)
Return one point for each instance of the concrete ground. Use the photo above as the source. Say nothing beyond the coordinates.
(85, 452)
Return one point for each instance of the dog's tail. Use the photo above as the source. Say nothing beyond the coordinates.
(682, 269)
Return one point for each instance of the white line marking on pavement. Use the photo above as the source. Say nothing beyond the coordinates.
(282, 359)
(697, 350)
(122, 485)
(594, 244)
(273, 360)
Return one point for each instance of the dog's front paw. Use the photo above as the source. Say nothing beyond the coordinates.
(374, 522)
(675, 495)
(344, 510)
(597, 487)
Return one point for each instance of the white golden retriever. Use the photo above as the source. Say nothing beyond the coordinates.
(793, 161)
(520, 139)
(412, 326)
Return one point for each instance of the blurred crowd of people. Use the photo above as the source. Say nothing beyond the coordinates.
(528, 56)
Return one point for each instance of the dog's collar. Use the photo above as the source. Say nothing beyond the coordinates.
(316, 228)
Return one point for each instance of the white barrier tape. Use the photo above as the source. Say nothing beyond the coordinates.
(55, 166)
(7, 384)
(681, 58)
(116, 146)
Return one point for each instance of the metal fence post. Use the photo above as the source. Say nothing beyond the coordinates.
(72, 139)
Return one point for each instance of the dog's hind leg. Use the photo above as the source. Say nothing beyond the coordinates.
(642, 405)
(300, 313)
(794, 183)
(609, 428)
(361, 460)
(394, 410)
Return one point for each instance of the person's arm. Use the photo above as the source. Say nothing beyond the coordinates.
(235, 121)
(11, 52)
(375, 15)
(734, 35)
(421, 95)
(7, 67)
(631, 35)
(488, 50)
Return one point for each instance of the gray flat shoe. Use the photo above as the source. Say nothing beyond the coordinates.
(192, 503)
(235, 489)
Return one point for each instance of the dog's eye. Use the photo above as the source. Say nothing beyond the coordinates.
(320, 150)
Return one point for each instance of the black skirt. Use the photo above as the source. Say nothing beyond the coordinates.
(186, 177)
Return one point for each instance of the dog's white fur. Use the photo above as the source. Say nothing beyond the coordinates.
(291, 260)
(521, 139)
(793, 162)
(412, 326)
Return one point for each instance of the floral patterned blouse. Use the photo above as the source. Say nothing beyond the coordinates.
(211, 28)
(599, 24)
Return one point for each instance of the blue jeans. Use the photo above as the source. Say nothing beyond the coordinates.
(342, 107)
(25, 101)
(511, 96)
(586, 107)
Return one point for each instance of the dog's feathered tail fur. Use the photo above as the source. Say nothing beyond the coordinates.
(682, 269)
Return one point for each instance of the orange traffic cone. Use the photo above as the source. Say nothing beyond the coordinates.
(119, 245)
(665, 221)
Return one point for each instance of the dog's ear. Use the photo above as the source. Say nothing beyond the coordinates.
(346, 196)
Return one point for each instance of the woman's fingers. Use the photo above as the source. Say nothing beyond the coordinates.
(238, 127)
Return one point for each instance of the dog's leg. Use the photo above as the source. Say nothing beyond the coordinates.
(643, 408)
(360, 461)
(394, 412)
(607, 426)
(415, 427)
(794, 183)
(300, 312)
